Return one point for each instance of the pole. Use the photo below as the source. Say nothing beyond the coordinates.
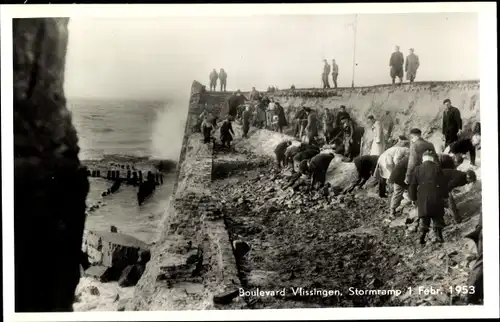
(354, 50)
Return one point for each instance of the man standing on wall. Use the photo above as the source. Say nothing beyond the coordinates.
(396, 63)
(213, 80)
(411, 65)
(335, 72)
(222, 78)
(452, 122)
(326, 72)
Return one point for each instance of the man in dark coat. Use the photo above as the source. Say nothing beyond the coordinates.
(233, 102)
(292, 151)
(279, 151)
(396, 63)
(463, 146)
(417, 147)
(318, 166)
(246, 117)
(429, 189)
(455, 179)
(452, 122)
(226, 132)
(282, 122)
(475, 279)
(342, 113)
(365, 166)
(305, 155)
(397, 177)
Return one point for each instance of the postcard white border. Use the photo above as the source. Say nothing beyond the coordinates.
(489, 159)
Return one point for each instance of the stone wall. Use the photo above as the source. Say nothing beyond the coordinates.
(192, 263)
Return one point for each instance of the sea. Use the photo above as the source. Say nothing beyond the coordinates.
(125, 129)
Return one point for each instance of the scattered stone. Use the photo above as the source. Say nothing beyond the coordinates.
(399, 222)
(121, 305)
(226, 297)
(101, 273)
(93, 290)
(130, 275)
(470, 257)
(113, 250)
(240, 248)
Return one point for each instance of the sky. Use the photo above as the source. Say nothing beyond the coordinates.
(157, 58)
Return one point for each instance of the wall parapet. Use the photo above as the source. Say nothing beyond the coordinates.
(192, 264)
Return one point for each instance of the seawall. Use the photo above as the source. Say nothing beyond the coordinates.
(193, 261)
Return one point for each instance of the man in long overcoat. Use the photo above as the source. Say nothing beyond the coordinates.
(412, 63)
(429, 189)
(452, 122)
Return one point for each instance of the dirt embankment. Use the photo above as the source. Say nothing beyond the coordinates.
(306, 240)
(420, 105)
(338, 244)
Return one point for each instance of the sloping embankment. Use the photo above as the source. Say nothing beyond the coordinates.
(193, 262)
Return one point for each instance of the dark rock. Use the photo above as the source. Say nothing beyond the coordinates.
(121, 305)
(50, 185)
(101, 273)
(116, 185)
(226, 297)
(93, 290)
(131, 275)
(115, 250)
(144, 256)
(240, 248)
(113, 229)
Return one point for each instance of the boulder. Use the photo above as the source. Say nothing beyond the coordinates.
(101, 273)
(115, 250)
(131, 275)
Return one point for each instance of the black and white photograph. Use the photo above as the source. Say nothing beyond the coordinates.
(242, 160)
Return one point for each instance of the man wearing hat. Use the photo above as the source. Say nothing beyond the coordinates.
(417, 148)
(388, 160)
(429, 189)
(411, 65)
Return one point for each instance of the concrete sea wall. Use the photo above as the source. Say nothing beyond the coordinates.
(192, 265)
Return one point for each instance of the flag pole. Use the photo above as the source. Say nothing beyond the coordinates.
(354, 50)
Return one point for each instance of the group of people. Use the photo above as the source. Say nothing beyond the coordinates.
(411, 166)
(221, 76)
(399, 66)
(327, 69)
(397, 63)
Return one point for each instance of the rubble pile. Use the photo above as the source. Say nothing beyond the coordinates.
(306, 239)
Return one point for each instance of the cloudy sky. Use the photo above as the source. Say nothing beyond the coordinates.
(160, 57)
